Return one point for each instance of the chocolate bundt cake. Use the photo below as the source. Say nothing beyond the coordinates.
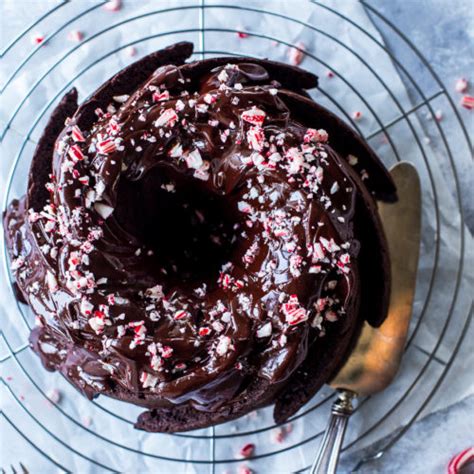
(200, 239)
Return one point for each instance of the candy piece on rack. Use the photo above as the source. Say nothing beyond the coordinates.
(54, 395)
(461, 85)
(297, 53)
(461, 460)
(246, 450)
(438, 115)
(75, 35)
(37, 38)
(245, 470)
(468, 102)
(241, 33)
(86, 421)
(330, 74)
(131, 51)
(357, 115)
(113, 5)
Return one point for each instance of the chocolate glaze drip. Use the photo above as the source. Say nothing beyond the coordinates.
(197, 238)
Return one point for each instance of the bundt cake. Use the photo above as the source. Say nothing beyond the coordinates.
(200, 239)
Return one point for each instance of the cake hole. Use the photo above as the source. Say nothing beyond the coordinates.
(190, 229)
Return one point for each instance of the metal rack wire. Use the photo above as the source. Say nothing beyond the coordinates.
(15, 353)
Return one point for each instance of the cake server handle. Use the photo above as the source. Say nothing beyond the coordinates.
(341, 410)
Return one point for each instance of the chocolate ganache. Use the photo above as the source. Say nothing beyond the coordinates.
(200, 239)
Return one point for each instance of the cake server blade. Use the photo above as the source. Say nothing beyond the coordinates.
(376, 357)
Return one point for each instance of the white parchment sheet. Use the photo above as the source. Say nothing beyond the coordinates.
(77, 431)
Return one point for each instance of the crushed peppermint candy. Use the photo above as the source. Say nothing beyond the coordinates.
(104, 210)
(224, 345)
(468, 102)
(246, 451)
(77, 135)
(194, 159)
(148, 380)
(294, 313)
(160, 96)
(313, 135)
(75, 153)
(97, 322)
(113, 5)
(256, 138)
(297, 53)
(54, 395)
(131, 51)
(106, 146)
(181, 314)
(167, 118)
(462, 85)
(37, 38)
(255, 116)
(75, 35)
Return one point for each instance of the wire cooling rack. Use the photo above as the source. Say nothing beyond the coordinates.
(55, 431)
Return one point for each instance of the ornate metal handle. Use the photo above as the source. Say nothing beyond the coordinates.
(326, 461)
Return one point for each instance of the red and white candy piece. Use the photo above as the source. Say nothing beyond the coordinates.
(167, 118)
(77, 135)
(86, 307)
(54, 395)
(256, 138)
(160, 96)
(313, 135)
(468, 102)
(293, 311)
(460, 460)
(461, 85)
(166, 352)
(297, 53)
(37, 38)
(148, 380)
(75, 153)
(75, 35)
(357, 115)
(113, 5)
(97, 322)
(180, 314)
(106, 146)
(254, 116)
(246, 450)
(131, 51)
(204, 331)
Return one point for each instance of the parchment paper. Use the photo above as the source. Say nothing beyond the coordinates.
(77, 431)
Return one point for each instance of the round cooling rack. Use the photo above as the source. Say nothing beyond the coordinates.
(356, 71)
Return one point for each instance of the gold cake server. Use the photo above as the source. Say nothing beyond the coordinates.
(376, 357)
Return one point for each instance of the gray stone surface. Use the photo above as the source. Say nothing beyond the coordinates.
(427, 447)
(443, 31)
